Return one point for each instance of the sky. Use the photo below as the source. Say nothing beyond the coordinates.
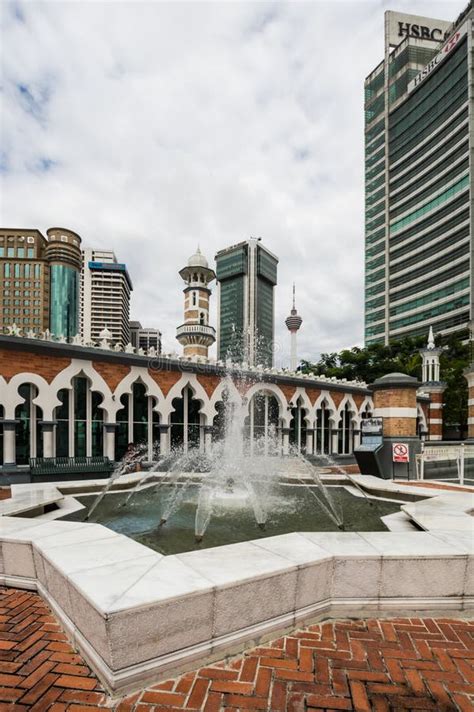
(150, 128)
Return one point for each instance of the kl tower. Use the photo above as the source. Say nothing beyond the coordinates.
(293, 323)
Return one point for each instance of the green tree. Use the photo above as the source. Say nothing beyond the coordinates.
(375, 360)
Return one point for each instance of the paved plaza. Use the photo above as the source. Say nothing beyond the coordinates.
(383, 665)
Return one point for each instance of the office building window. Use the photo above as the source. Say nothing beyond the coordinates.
(27, 271)
(7, 270)
(10, 252)
(31, 251)
(37, 272)
(20, 252)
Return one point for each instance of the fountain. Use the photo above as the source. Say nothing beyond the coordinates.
(134, 456)
(241, 476)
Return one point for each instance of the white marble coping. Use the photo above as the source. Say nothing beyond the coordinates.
(29, 496)
(136, 614)
(28, 499)
(451, 511)
(377, 484)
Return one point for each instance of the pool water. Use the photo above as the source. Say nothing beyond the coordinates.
(291, 508)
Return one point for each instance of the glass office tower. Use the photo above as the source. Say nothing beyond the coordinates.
(246, 276)
(63, 252)
(417, 179)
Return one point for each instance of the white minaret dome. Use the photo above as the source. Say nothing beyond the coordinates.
(105, 334)
(198, 260)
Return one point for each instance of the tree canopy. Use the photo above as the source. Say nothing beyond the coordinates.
(375, 360)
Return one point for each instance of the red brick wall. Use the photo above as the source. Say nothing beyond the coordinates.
(313, 394)
(165, 379)
(209, 383)
(395, 398)
(13, 362)
(337, 398)
(112, 373)
(289, 391)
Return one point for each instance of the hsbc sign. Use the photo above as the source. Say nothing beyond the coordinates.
(406, 29)
(438, 59)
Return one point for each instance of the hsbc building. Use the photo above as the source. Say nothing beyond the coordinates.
(418, 176)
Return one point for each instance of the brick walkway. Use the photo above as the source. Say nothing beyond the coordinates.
(381, 665)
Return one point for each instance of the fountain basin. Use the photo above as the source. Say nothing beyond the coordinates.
(290, 508)
(137, 615)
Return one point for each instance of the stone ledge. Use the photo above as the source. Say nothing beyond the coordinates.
(136, 614)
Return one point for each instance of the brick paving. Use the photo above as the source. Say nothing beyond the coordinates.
(385, 665)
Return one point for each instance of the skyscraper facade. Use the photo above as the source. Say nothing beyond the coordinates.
(418, 125)
(39, 280)
(63, 253)
(246, 275)
(105, 297)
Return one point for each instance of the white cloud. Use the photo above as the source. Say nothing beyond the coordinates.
(151, 127)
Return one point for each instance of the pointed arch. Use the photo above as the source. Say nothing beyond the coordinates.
(325, 396)
(284, 406)
(46, 398)
(138, 374)
(78, 367)
(300, 393)
(348, 401)
(217, 396)
(420, 413)
(367, 402)
(191, 380)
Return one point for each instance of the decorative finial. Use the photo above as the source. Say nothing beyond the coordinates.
(431, 343)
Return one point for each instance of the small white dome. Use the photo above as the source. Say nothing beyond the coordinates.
(105, 334)
(198, 260)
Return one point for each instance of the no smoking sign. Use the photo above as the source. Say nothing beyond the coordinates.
(400, 452)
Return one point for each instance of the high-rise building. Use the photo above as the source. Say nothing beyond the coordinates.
(418, 173)
(105, 297)
(144, 338)
(246, 275)
(63, 253)
(196, 335)
(39, 280)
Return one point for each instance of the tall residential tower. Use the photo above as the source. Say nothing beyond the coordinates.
(418, 173)
(246, 275)
(105, 297)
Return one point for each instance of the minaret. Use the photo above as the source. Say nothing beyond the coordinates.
(430, 365)
(433, 386)
(293, 323)
(195, 334)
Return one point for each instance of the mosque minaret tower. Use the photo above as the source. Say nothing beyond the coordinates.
(195, 334)
(293, 323)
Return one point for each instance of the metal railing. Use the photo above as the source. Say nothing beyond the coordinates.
(456, 453)
(195, 329)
